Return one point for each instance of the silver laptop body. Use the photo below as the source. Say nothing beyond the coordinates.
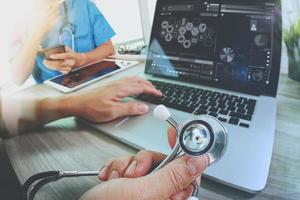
(246, 162)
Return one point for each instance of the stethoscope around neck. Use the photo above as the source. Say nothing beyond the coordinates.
(67, 27)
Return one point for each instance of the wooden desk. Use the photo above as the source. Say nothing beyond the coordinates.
(65, 145)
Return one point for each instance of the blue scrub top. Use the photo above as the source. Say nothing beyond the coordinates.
(91, 30)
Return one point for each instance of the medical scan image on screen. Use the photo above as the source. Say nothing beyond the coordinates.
(220, 43)
(86, 74)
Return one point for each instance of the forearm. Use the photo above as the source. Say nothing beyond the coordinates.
(99, 53)
(51, 109)
(23, 62)
(22, 115)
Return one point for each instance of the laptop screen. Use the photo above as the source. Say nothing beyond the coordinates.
(233, 45)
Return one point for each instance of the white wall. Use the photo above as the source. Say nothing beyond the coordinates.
(290, 11)
(124, 17)
(151, 5)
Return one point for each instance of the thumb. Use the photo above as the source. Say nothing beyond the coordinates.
(173, 178)
(172, 136)
(131, 108)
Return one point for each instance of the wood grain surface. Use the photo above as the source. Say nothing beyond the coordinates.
(66, 145)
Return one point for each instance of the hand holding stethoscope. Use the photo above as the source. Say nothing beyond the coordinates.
(202, 135)
(196, 137)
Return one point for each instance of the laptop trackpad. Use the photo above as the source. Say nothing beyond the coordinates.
(142, 132)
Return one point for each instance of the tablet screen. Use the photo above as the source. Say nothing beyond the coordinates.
(86, 74)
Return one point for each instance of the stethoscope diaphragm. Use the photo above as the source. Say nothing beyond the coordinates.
(201, 135)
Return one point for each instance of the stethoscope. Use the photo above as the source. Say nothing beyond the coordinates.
(201, 135)
(196, 137)
(67, 27)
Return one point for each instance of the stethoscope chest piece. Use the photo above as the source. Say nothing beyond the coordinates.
(203, 135)
(200, 135)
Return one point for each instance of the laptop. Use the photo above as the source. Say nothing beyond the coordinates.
(218, 58)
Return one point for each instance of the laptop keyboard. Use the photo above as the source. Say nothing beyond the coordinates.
(227, 108)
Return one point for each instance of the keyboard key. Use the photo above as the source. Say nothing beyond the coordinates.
(240, 105)
(224, 112)
(250, 112)
(231, 104)
(221, 106)
(239, 100)
(231, 108)
(182, 108)
(201, 112)
(203, 107)
(252, 101)
(244, 125)
(212, 104)
(222, 119)
(240, 116)
(241, 110)
(233, 121)
(223, 102)
(215, 110)
(213, 114)
(193, 106)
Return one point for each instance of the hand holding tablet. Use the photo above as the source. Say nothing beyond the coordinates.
(55, 50)
(62, 59)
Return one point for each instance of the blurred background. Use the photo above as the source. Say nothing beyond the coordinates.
(125, 18)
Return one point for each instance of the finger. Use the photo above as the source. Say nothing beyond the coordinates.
(69, 62)
(131, 108)
(131, 167)
(135, 86)
(60, 65)
(52, 64)
(115, 168)
(142, 163)
(141, 80)
(172, 136)
(173, 178)
(185, 194)
(133, 89)
(149, 84)
(103, 173)
(64, 70)
(62, 56)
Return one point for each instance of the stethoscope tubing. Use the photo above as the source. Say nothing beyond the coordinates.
(71, 32)
(37, 181)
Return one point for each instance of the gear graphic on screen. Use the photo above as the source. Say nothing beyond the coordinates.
(187, 33)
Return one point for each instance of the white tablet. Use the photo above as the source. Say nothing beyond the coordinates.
(86, 75)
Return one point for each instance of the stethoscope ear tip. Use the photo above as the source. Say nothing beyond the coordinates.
(161, 112)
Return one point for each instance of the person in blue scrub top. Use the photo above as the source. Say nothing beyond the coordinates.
(77, 24)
